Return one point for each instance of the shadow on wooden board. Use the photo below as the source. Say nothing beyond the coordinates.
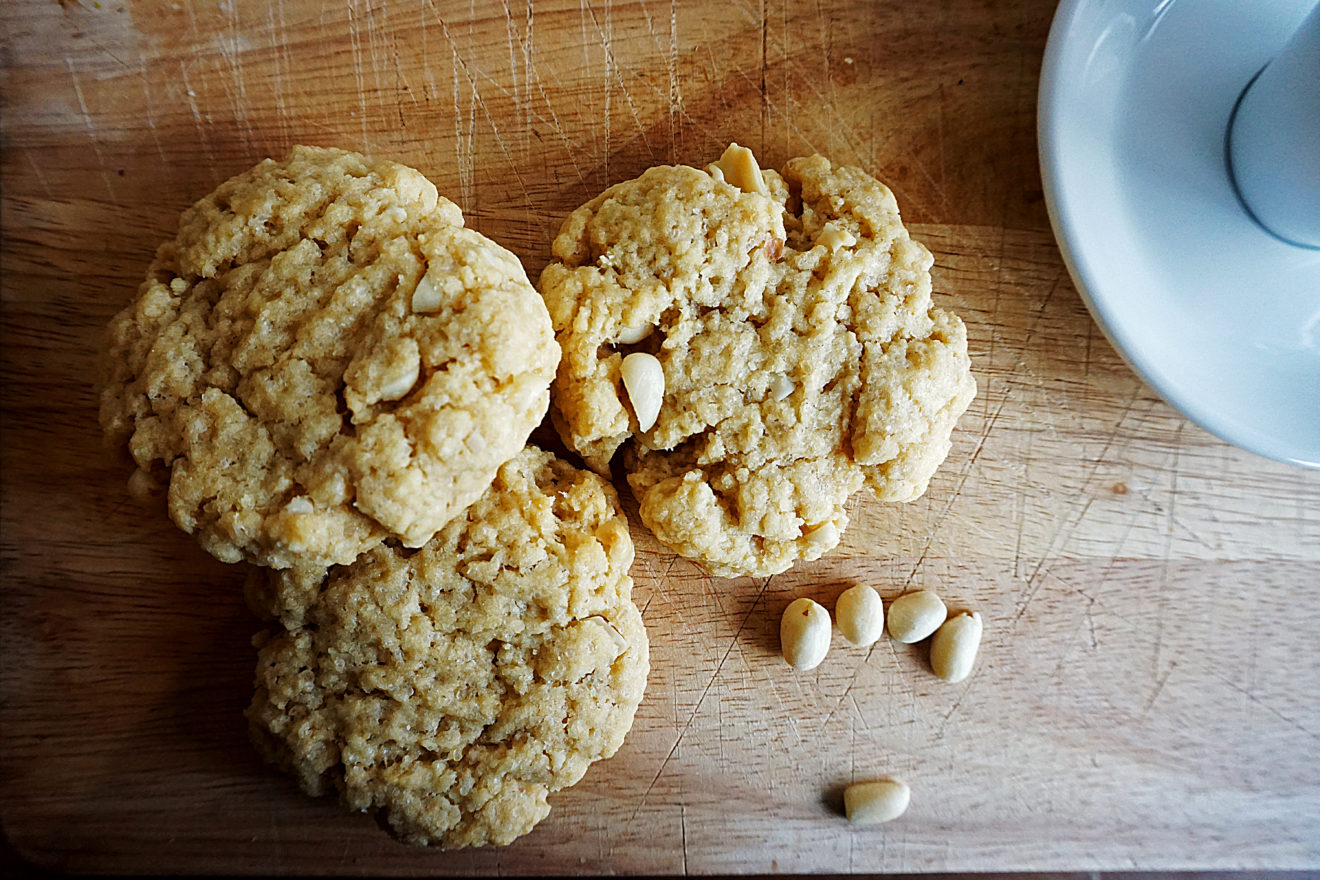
(14, 867)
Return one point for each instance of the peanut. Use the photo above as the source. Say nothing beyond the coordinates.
(300, 504)
(823, 536)
(644, 380)
(425, 297)
(871, 803)
(634, 334)
(804, 634)
(914, 616)
(740, 169)
(860, 615)
(401, 376)
(835, 237)
(953, 650)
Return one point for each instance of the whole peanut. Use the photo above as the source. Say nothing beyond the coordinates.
(914, 616)
(871, 803)
(860, 615)
(953, 650)
(804, 633)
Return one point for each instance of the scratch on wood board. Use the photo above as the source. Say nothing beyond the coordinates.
(460, 65)
(90, 126)
(148, 106)
(278, 31)
(355, 44)
(733, 642)
(233, 51)
(203, 130)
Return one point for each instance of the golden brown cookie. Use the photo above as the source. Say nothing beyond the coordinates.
(801, 356)
(454, 687)
(323, 357)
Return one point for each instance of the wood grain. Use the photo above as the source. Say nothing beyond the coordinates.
(1147, 692)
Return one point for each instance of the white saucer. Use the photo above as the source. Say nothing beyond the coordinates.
(1216, 314)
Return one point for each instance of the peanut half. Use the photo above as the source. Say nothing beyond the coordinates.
(804, 633)
(835, 237)
(871, 803)
(823, 536)
(860, 615)
(644, 380)
(914, 616)
(426, 298)
(953, 650)
(740, 169)
(634, 334)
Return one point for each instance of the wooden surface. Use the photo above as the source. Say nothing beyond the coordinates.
(1148, 694)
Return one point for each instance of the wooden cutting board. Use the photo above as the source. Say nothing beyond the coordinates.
(1148, 693)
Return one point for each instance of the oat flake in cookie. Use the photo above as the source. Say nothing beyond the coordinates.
(453, 688)
(322, 358)
(802, 356)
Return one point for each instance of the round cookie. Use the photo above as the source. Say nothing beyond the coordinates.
(454, 687)
(323, 357)
(802, 357)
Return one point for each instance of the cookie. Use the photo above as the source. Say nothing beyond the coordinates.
(801, 356)
(322, 358)
(454, 687)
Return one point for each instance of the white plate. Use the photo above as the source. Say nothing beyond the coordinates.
(1217, 315)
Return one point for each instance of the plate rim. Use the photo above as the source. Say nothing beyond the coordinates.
(1058, 207)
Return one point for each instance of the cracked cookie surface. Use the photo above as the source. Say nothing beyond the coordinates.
(453, 688)
(323, 357)
(802, 356)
